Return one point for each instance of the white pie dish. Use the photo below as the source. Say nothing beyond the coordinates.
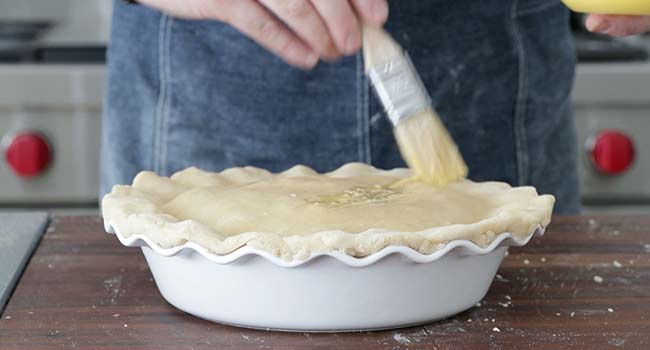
(392, 288)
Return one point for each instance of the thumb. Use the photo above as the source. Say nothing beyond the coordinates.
(618, 25)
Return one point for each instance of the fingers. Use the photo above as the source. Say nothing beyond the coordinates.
(373, 11)
(618, 25)
(299, 31)
(342, 24)
(303, 18)
(254, 20)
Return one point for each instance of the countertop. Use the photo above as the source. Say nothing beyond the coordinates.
(584, 285)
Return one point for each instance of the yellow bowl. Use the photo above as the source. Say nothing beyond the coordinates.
(612, 7)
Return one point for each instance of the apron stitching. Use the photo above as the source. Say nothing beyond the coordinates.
(160, 105)
(360, 108)
(521, 149)
(167, 99)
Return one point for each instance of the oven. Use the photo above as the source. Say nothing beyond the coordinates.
(612, 108)
(52, 79)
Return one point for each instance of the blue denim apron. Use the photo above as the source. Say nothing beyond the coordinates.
(198, 93)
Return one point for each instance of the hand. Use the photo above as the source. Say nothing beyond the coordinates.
(299, 31)
(618, 25)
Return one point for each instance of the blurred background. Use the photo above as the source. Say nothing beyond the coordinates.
(52, 56)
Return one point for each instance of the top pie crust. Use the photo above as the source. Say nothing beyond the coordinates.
(299, 212)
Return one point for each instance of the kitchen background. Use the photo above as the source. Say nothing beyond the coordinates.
(52, 83)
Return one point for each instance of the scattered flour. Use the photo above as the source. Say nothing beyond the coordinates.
(616, 342)
(112, 286)
(501, 279)
(398, 337)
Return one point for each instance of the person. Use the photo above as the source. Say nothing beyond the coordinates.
(617, 25)
(274, 83)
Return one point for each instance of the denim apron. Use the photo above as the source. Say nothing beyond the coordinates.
(198, 93)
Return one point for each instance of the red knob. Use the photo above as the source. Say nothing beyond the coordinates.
(28, 154)
(612, 152)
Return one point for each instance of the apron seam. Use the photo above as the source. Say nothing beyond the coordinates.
(519, 130)
(360, 102)
(168, 94)
(161, 104)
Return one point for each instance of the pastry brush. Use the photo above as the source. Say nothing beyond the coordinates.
(424, 142)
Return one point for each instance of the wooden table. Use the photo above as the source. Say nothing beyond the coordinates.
(584, 285)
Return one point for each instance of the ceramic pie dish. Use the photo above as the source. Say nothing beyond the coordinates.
(331, 280)
(327, 292)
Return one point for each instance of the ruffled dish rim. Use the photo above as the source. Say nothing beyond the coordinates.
(464, 247)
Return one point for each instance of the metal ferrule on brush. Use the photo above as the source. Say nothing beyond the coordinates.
(399, 88)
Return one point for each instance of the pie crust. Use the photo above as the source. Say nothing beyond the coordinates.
(357, 210)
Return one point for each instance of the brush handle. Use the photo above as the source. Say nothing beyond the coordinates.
(399, 88)
(392, 75)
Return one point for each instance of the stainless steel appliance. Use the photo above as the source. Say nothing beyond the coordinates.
(50, 120)
(51, 89)
(612, 105)
(613, 119)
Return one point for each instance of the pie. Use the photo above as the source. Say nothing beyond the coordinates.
(356, 209)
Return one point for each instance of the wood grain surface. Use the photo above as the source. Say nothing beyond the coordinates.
(584, 285)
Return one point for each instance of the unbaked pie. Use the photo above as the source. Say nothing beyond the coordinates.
(356, 209)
